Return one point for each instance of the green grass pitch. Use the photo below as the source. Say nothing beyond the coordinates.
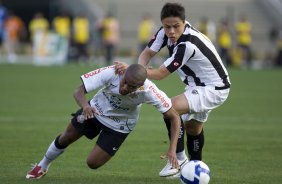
(243, 137)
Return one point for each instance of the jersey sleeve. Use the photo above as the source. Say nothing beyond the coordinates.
(98, 78)
(177, 59)
(157, 98)
(158, 41)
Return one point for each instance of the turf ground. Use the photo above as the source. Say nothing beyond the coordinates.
(243, 137)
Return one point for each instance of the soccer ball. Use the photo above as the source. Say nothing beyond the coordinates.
(195, 172)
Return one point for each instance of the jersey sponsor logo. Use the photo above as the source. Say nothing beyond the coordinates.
(113, 85)
(180, 133)
(195, 92)
(159, 96)
(90, 74)
(175, 63)
(115, 119)
(196, 145)
(115, 101)
(99, 109)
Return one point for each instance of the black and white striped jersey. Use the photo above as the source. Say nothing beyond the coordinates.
(193, 57)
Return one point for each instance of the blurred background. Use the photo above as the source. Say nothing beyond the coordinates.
(71, 37)
(247, 33)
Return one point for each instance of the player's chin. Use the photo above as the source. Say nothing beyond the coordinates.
(173, 39)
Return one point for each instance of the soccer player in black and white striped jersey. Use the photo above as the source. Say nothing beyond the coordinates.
(196, 61)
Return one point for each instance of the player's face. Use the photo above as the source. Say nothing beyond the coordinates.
(128, 85)
(173, 27)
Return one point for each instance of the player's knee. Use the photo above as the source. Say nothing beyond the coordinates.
(92, 164)
(190, 130)
(69, 136)
(193, 129)
(64, 140)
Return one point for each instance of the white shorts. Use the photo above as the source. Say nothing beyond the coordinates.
(202, 100)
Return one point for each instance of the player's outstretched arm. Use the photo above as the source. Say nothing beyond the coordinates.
(174, 118)
(145, 57)
(158, 73)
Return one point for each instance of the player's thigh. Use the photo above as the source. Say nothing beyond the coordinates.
(180, 104)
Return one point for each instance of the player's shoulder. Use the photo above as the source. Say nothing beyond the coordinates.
(161, 31)
(156, 96)
(147, 84)
(150, 87)
(110, 69)
(104, 69)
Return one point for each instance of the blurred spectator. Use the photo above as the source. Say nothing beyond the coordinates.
(236, 57)
(208, 28)
(279, 49)
(146, 30)
(14, 28)
(244, 39)
(3, 15)
(110, 37)
(80, 37)
(39, 24)
(273, 34)
(62, 25)
(271, 50)
(224, 42)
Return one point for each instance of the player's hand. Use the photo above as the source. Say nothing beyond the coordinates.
(148, 67)
(89, 112)
(120, 67)
(172, 159)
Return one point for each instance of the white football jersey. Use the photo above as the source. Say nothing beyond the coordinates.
(193, 57)
(121, 112)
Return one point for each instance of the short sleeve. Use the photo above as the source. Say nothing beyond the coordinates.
(157, 98)
(177, 59)
(98, 78)
(158, 41)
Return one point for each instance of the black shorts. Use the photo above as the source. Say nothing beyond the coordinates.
(109, 140)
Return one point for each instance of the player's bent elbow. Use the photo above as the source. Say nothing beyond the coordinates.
(75, 93)
(159, 78)
(155, 77)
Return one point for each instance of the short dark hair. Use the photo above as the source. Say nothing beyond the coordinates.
(136, 72)
(173, 10)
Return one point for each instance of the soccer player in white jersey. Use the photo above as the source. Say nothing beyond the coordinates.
(112, 114)
(196, 61)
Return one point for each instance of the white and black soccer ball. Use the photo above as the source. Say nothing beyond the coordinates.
(195, 172)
